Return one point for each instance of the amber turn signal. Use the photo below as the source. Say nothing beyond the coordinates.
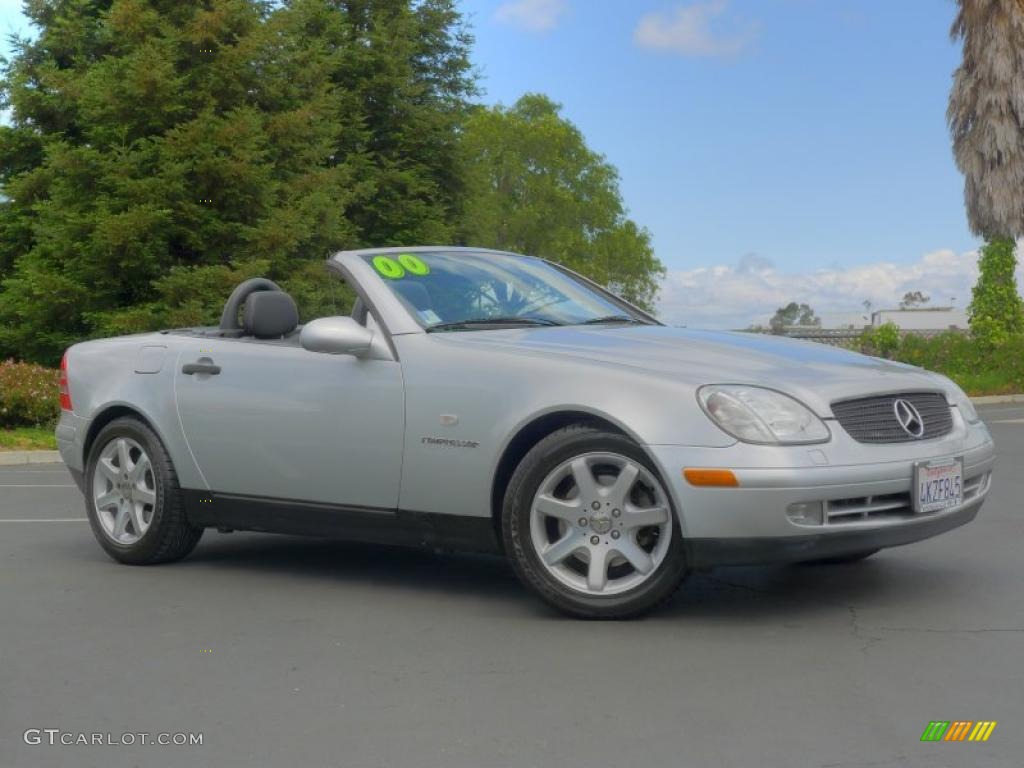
(717, 478)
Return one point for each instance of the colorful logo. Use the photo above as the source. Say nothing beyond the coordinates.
(959, 730)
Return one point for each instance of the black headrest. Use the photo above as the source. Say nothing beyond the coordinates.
(415, 293)
(270, 314)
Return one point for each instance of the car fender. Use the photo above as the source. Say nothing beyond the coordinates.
(103, 381)
(466, 403)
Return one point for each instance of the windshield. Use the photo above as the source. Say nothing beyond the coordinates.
(473, 291)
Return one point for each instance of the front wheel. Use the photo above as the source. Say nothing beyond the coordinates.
(589, 525)
(132, 497)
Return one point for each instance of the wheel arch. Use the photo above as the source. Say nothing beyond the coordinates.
(528, 435)
(105, 416)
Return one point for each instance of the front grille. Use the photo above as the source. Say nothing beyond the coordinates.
(873, 419)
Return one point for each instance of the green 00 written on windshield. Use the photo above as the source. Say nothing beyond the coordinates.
(449, 291)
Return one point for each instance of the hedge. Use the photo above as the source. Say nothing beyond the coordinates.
(980, 369)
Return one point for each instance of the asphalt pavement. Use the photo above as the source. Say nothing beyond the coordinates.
(292, 652)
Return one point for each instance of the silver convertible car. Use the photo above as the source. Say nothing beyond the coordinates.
(486, 401)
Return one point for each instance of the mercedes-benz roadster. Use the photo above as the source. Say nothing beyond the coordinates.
(486, 401)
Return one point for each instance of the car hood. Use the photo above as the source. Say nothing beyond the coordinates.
(815, 373)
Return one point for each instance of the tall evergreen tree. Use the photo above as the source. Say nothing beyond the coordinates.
(158, 144)
(401, 75)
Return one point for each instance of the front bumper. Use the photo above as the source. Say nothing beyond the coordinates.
(735, 550)
(749, 524)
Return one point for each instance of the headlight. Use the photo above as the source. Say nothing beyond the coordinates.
(758, 415)
(963, 403)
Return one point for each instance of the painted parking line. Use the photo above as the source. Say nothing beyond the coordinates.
(14, 477)
(5, 468)
(45, 520)
(8, 471)
(1007, 421)
(37, 485)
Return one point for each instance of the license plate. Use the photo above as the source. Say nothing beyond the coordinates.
(939, 485)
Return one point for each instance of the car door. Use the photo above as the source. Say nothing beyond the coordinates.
(273, 420)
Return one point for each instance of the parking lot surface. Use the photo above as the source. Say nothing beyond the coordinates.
(293, 652)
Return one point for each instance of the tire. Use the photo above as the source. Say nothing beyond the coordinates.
(543, 508)
(138, 520)
(856, 557)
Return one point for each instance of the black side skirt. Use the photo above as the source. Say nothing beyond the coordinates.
(305, 518)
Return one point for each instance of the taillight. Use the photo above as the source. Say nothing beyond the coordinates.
(65, 394)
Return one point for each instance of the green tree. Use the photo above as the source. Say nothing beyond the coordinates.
(996, 311)
(533, 186)
(159, 145)
(399, 76)
(793, 314)
(986, 119)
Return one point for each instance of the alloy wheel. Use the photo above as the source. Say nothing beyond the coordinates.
(124, 490)
(600, 523)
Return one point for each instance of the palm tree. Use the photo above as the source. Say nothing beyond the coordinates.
(986, 119)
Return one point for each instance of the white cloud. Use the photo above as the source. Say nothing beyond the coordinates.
(532, 15)
(688, 31)
(736, 296)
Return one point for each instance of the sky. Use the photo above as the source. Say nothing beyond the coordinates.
(777, 150)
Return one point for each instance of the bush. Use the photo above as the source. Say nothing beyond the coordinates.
(28, 395)
(883, 341)
(979, 368)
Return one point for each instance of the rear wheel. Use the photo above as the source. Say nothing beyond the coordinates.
(589, 525)
(132, 496)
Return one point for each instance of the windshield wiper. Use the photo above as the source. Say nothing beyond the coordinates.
(612, 319)
(483, 321)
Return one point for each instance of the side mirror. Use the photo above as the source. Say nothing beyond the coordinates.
(336, 336)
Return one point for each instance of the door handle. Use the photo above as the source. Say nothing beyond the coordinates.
(200, 367)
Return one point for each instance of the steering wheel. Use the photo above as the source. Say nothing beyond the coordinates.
(229, 317)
